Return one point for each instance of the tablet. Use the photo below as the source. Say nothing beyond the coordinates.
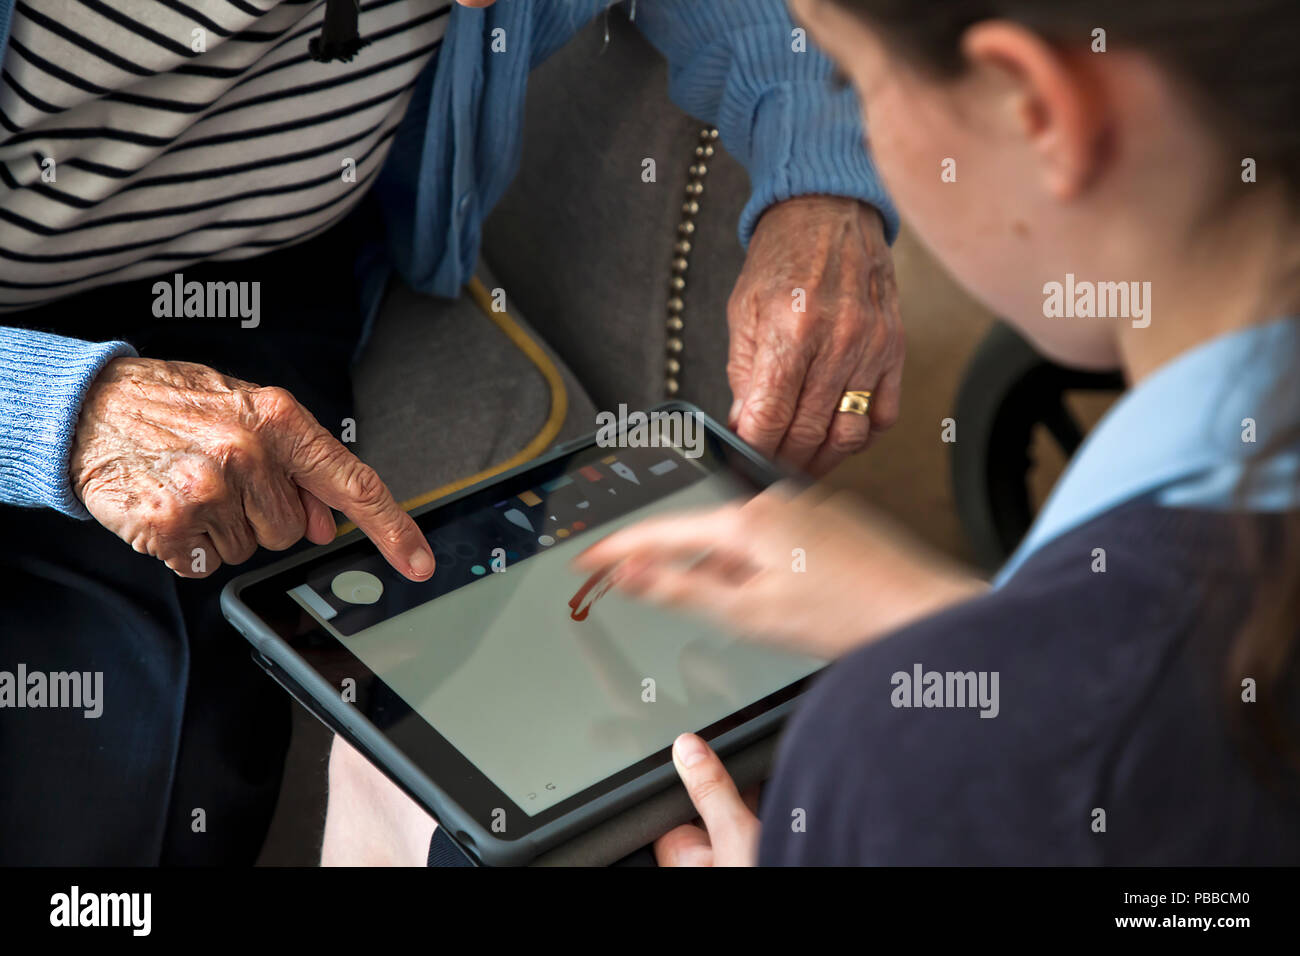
(520, 702)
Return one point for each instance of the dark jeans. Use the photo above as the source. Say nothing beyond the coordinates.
(191, 731)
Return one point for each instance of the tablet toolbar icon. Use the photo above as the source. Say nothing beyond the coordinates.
(518, 519)
(357, 587)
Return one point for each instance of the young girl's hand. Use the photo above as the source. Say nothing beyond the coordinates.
(727, 834)
(816, 576)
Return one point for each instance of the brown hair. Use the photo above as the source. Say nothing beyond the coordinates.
(1237, 60)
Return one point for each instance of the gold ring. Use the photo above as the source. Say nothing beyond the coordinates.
(859, 403)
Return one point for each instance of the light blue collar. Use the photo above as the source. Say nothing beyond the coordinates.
(1184, 433)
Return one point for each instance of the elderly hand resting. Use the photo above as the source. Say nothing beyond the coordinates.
(196, 468)
(814, 313)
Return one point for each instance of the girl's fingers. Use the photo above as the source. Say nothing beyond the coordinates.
(732, 827)
(671, 585)
(687, 845)
(681, 536)
(727, 567)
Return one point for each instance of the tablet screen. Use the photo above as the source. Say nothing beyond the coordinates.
(545, 688)
(510, 680)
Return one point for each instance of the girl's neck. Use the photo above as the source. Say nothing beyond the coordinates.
(1247, 275)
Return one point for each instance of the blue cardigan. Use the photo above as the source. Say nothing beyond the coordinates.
(733, 63)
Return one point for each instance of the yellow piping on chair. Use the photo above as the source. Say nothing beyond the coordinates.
(544, 438)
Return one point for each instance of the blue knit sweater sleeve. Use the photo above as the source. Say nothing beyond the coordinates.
(43, 379)
(744, 67)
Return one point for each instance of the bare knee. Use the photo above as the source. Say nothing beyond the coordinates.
(369, 821)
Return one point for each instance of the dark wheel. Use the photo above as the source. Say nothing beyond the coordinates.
(1008, 391)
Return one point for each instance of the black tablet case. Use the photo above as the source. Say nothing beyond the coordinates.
(652, 818)
(610, 840)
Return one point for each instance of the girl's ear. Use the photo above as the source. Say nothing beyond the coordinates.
(1053, 100)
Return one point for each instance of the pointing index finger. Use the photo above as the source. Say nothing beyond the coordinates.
(324, 467)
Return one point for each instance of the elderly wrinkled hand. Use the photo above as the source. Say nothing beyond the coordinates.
(814, 314)
(196, 468)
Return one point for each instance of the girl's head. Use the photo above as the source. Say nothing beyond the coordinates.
(1027, 140)
(1118, 141)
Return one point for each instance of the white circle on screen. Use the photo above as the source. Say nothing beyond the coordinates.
(357, 587)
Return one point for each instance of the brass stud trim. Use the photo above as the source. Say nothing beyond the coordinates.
(696, 173)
